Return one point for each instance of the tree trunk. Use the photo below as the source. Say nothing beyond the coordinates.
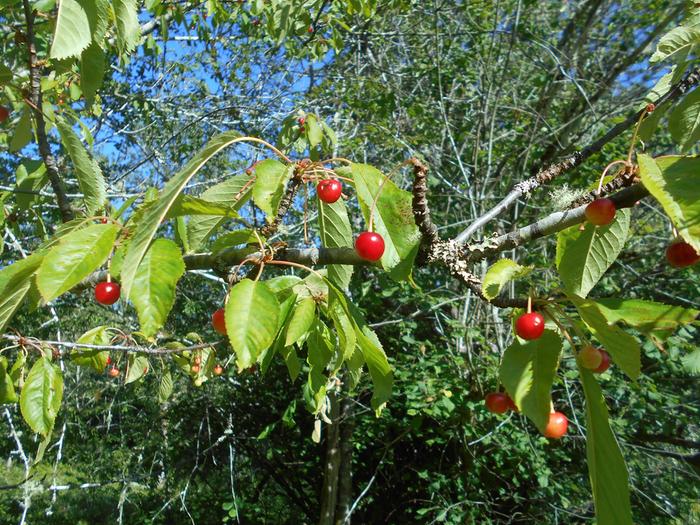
(329, 490)
(347, 427)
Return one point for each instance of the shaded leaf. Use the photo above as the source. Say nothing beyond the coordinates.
(92, 357)
(165, 387)
(271, 178)
(41, 396)
(92, 70)
(499, 274)
(7, 388)
(127, 22)
(138, 367)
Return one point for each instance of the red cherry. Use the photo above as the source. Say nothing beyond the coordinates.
(498, 402)
(218, 321)
(194, 369)
(104, 220)
(109, 361)
(680, 254)
(218, 370)
(604, 362)
(301, 121)
(600, 212)
(107, 293)
(329, 190)
(311, 29)
(369, 246)
(557, 425)
(530, 326)
(4, 114)
(650, 108)
(113, 372)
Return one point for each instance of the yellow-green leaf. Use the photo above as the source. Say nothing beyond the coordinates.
(41, 396)
(501, 273)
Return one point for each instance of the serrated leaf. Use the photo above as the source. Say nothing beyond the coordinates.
(251, 313)
(300, 322)
(7, 387)
(126, 13)
(15, 282)
(72, 33)
(393, 217)
(232, 239)
(335, 232)
(501, 273)
(584, 256)
(684, 121)
(691, 362)
(41, 396)
(233, 192)
(675, 182)
(30, 177)
(622, 347)
(675, 42)
(188, 205)
(73, 258)
(527, 372)
(292, 361)
(646, 316)
(153, 292)
(153, 215)
(92, 69)
(165, 387)
(271, 178)
(138, 367)
(606, 466)
(92, 357)
(87, 170)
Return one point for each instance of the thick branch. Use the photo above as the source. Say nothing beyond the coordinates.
(555, 170)
(549, 225)
(36, 100)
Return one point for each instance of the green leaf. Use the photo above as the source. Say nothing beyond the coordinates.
(675, 42)
(606, 466)
(691, 362)
(7, 388)
(87, 171)
(527, 372)
(232, 239)
(622, 347)
(138, 366)
(165, 387)
(76, 256)
(23, 132)
(41, 396)
(5, 75)
(15, 282)
(584, 256)
(393, 218)
(251, 320)
(684, 121)
(128, 27)
(154, 214)
(30, 177)
(92, 357)
(500, 273)
(188, 205)
(92, 70)
(675, 183)
(271, 178)
(300, 322)
(153, 292)
(313, 131)
(233, 192)
(320, 352)
(646, 316)
(72, 33)
(335, 232)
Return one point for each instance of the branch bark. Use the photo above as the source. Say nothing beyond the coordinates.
(36, 100)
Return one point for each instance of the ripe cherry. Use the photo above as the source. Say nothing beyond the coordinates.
(369, 246)
(113, 372)
(218, 321)
(680, 254)
(604, 362)
(329, 190)
(530, 326)
(498, 402)
(311, 29)
(301, 121)
(557, 425)
(218, 370)
(590, 357)
(650, 108)
(109, 361)
(107, 293)
(194, 369)
(4, 114)
(600, 212)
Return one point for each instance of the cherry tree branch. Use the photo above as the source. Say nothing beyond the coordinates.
(553, 171)
(36, 100)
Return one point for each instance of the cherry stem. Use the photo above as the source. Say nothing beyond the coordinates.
(605, 172)
(636, 131)
(296, 265)
(306, 214)
(336, 159)
(529, 304)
